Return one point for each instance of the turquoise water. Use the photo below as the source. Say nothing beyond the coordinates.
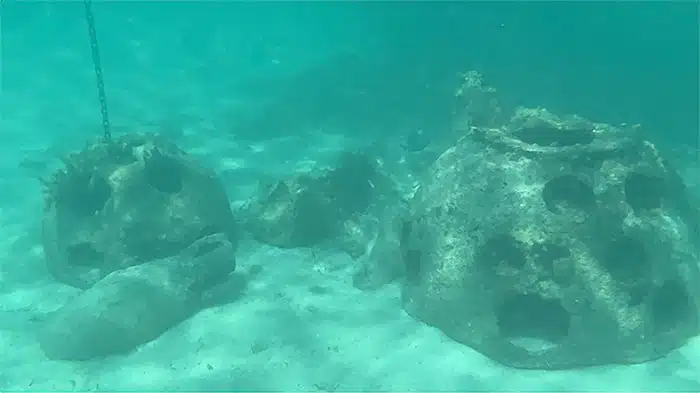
(632, 62)
(296, 82)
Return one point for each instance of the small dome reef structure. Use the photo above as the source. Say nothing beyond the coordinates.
(144, 231)
(123, 203)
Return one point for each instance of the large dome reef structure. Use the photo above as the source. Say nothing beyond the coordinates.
(554, 242)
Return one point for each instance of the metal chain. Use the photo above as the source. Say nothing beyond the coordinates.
(98, 70)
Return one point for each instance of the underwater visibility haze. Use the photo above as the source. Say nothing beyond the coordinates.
(349, 196)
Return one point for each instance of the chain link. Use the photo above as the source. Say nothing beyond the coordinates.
(98, 70)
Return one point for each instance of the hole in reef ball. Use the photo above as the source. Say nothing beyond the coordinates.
(670, 306)
(164, 173)
(501, 250)
(524, 319)
(568, 191)
(644, 191)
(626, 259)
(85, 194)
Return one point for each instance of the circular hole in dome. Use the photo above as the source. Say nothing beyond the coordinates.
(637, 293)
(670, 307)
(532, 322)
(84, 193)
(501, 250)
(164, 173)
(567, 192)
(626, 259)
(644, 191)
